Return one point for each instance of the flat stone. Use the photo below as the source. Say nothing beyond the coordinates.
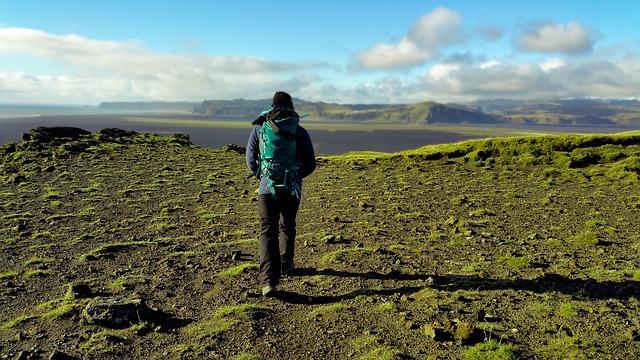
(115, 311)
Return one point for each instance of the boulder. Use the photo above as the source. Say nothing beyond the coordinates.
(181, 139)
(233, 148)
(76, 147)
(115, 311)
(115, 135)
(51, 134)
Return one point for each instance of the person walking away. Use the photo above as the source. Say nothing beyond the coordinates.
(280, 154)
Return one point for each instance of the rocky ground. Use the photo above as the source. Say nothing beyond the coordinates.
(504, 249)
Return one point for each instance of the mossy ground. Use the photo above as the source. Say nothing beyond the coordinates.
(509, 248)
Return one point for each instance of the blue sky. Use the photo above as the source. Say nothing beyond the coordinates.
(336, 51)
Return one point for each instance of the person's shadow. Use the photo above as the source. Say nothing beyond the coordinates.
(578, 288)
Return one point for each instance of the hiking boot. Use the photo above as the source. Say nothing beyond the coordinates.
(269, 290)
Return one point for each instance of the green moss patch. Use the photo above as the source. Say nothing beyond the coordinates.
(238, 269)
(222, 320)
(490, 350)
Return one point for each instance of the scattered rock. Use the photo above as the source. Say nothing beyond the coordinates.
(333, 239)
(113, 311)
(79, 291)
(488, 317)
(21, 227)
(17, 179)
(436, 333)
(467, 334)
(534, 236)
(233, 148)
(23, 355)
(329, 239)
(383, 251)
(411, 325)
(76, 147)
(181, 139)
(30, 354)
(58, 355)
(365, 206)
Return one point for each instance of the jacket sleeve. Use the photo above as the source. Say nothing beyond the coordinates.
(306, 154)
(253, 151)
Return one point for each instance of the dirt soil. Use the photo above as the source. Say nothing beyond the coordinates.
(398, 258)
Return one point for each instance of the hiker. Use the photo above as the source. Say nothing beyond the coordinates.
(280, 154)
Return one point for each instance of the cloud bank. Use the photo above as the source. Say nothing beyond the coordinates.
(471, 80)
(112, 70)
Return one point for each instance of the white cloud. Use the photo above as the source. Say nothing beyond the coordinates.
(384, 56)
(424, 40)
(571, 38)
(552, 64)
(436, 28)
(439, 72)
(489, 64)
(106, 70)
(552, 79)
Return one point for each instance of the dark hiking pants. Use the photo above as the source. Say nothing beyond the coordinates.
(277, 217)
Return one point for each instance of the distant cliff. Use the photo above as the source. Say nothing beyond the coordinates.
(426, 112)
(567, 111)
(232, 109)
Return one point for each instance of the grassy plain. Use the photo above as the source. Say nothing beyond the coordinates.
(504, 248)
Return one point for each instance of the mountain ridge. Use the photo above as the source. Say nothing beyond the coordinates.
(496, 111)
(424, 112)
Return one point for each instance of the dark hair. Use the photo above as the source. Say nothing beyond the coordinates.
(281, 98)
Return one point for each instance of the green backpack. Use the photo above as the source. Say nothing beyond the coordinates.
(278, 150)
